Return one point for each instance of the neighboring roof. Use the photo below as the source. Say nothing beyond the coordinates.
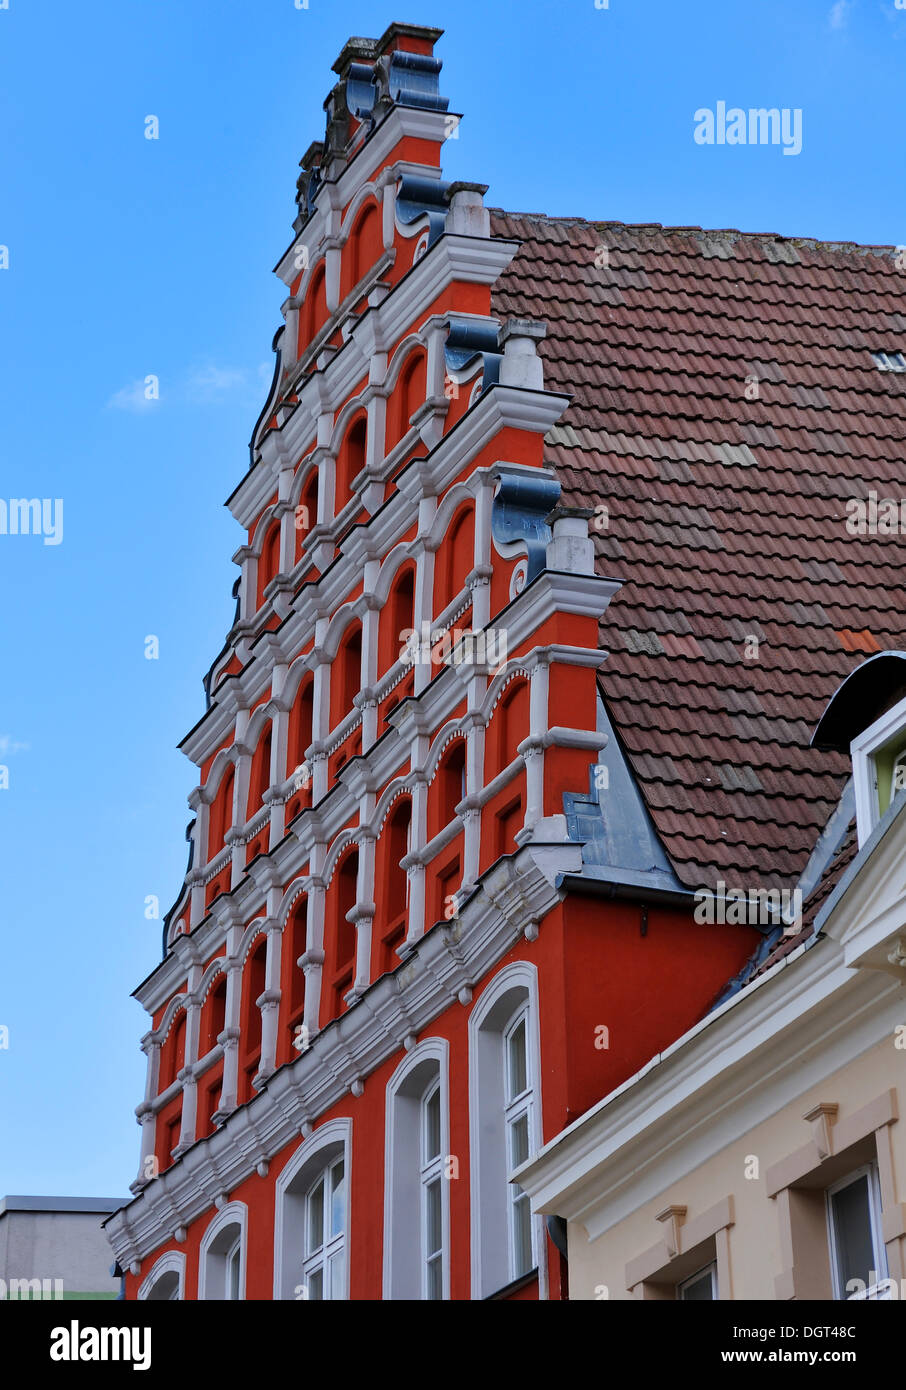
(726, 515)
(73, 1204)
(815, 901)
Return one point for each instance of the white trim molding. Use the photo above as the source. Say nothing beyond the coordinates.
(321, 1148)
(173, 1262)
(513, 987)
(402, 1233)
(233, 1215)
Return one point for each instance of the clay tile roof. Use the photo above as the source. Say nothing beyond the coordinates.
(816, 900)
(725, 408)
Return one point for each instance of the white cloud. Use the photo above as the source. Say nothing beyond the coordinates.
(9, 745)
(203, 384)
(210, 382)
(132, 397)
(839, 14)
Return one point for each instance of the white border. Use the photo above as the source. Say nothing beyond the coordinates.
(437, 1050)
(233, 1214)
(519, 974)
(337, 1131)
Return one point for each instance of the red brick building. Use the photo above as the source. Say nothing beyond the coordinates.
(457, 787)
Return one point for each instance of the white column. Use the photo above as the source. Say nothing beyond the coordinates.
(313, 959)
(269, 1003)
(229, 1041)
(278, 773)
(365, 905)
(539, 686)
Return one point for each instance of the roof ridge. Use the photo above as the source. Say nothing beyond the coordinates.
(824, 244)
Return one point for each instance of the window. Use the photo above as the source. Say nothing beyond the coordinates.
(517, 1112)
(504, 1130)
(889, 361)
(879, 767)
(432, 1199)
(324, 1266)
(232, 1271)
(700, 1287)
(314, 1184)
(858, 1258)
(221, 1260)
(166, 1281)
(418, 1182)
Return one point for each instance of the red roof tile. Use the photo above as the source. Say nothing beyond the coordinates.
(726, 515)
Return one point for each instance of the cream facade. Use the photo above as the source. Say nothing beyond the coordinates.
(762, 1156)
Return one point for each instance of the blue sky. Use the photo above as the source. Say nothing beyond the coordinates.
(131, 257)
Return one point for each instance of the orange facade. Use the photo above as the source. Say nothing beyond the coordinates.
(380, 830)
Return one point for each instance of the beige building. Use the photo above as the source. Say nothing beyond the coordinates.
(762, 1156)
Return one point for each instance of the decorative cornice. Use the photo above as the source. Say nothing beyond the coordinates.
(443, 967)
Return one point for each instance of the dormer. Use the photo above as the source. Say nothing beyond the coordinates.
(866, 718)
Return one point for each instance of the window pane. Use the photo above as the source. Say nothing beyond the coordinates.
(435, 1287)
(432, 1217)
(337, 1275)
(522, 1234)
(316, 1218)
(432, 1125)
(699, 1289)
(852, 1229)
(516, 1081)
(233, 1275)
(316, 1284)
(519, 1141)
(337, 1198)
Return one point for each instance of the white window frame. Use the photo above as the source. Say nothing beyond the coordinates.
(865, 779)
(879, 1267)
(233, 1262)
(431, 1171)
(510, 990)
(215, 1252)
(173, 1262)
(293, 1187)
(514, 1110)
(333, 1243)
(711, 1269)
(405, 1269)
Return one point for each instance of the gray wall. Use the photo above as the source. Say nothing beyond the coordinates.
(65, 1245)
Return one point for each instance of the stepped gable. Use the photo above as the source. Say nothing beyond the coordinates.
(726, 406)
